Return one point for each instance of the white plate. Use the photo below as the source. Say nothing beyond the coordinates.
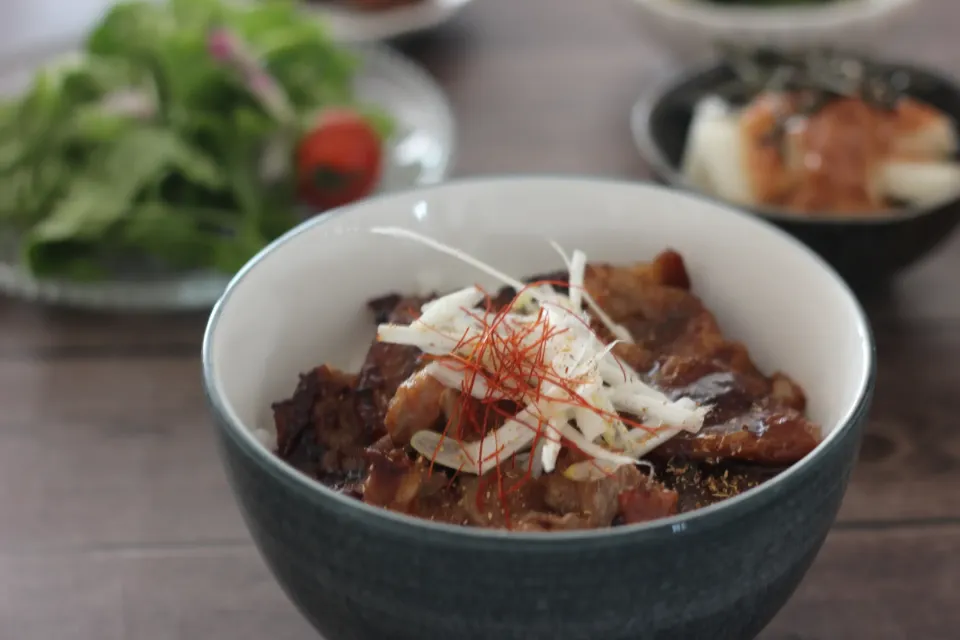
(690, 28)
(420, 154)
(351, 25)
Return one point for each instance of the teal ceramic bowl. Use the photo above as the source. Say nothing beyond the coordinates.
(360, 573)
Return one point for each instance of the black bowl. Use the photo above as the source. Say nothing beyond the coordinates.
(866, 250)
(362, 573)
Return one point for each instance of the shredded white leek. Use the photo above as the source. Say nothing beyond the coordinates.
(586, 413)
(456, 378)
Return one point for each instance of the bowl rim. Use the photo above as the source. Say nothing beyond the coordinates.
(352, 25)
(641, 125)
(706, 517)
(833, 17)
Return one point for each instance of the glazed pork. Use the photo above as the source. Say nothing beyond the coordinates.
(353, 432)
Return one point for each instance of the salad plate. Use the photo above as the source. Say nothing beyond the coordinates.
(419, 152)
(347, 24)
(691, 29)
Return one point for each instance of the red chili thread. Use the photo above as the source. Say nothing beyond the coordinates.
(506, 361)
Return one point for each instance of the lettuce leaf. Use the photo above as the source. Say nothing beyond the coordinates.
(102, 199)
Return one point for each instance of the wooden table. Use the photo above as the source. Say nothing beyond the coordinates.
(115, 518)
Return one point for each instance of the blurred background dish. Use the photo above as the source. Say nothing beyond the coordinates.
(370, 20)
(880, 210)
(420, 152)
(689, 29)
(185, 136)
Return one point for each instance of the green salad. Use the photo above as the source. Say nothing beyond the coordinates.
(170, 142)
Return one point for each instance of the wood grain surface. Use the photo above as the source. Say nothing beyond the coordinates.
(115, 519)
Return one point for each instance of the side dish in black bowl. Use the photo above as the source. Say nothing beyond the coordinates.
(858, 159)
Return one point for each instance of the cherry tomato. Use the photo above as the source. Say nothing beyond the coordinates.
(339, 160)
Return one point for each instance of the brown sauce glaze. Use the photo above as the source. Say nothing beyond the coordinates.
(827, 159)
(351, 431)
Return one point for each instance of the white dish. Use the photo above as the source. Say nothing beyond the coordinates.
(420, 154)
(690, 28)
(283, 314)
(351, 25)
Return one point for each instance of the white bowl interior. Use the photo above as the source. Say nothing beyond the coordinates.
(303, 302)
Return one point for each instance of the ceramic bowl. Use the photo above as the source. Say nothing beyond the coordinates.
(361, 573)
(866, 250)
(689, 29)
